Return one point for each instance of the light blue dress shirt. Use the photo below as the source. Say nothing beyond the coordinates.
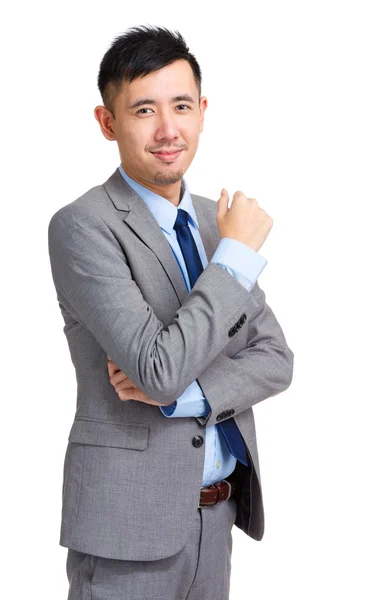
(245, 264)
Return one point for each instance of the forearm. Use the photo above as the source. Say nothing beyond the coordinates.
(245, 265)
(261, 370)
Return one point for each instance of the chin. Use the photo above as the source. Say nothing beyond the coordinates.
(166, 178)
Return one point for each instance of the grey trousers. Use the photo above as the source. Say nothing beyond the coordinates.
(201, 570)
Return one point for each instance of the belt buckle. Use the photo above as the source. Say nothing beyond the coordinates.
(229, 489)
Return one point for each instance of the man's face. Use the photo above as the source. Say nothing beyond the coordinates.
(171, 121)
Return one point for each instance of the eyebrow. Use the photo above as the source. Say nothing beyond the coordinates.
(141, 101)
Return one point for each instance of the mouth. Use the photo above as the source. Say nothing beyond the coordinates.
(167, 156)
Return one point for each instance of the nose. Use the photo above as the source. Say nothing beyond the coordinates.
(167, 127)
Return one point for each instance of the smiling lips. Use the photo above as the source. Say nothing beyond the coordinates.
(167, 156)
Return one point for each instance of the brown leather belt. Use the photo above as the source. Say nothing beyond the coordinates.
(217, 492)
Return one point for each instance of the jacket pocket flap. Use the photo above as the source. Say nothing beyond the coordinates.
(103, 433)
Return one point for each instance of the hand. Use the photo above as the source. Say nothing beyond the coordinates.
(245, 221)
(125, 388)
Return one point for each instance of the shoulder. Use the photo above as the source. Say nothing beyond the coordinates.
(89, 207)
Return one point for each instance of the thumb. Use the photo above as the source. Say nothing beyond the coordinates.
(222, 204)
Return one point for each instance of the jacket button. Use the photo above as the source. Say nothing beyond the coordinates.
(197, 441)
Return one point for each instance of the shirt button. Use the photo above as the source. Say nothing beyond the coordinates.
(218, 464)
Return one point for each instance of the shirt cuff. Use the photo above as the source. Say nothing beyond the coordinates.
(191, 403)
(241, 260)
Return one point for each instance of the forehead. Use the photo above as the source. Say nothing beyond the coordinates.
(162, 85)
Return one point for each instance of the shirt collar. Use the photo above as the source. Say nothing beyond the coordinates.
(164, 212)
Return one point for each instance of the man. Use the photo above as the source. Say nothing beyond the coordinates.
(172, 342)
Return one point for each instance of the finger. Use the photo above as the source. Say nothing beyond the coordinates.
(119, 377)
(222, 208)
(126, 394)
(112, 368)
(140, 396)
(125, 385)
(149, 401)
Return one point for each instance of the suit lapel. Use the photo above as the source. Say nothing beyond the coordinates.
(140, 218)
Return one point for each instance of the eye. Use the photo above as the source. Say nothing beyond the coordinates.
(184, 105)
(138, 111)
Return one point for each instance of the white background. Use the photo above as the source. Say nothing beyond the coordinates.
(294, 120)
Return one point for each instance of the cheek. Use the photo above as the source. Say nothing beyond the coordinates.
(193, 135)
(130, 138)
(133, 146)
(192, 142)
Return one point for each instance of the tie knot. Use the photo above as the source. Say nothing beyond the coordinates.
(181, 219)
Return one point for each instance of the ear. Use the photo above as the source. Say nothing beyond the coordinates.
(203, 103)
(106, 122)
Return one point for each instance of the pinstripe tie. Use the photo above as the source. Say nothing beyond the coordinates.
(194, 266)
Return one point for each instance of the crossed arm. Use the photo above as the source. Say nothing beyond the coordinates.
(261, 370)
(91, 276)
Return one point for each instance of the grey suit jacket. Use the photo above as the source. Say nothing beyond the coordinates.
(132, 477)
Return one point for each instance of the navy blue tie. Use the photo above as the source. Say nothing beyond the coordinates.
(194, 266)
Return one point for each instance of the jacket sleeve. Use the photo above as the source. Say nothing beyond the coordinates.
(261, 370)
(94, 283)
(245, 264)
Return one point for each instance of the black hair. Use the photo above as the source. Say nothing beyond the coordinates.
(138, 52)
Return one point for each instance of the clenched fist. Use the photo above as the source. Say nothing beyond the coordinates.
(244, 221)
